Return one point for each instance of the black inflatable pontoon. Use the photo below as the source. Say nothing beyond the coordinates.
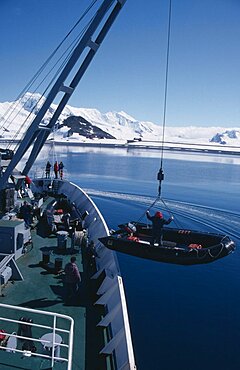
(183, 247)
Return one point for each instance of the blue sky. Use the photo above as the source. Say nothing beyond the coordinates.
(127, 72)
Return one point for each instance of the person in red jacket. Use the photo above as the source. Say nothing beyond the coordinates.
(28, 182)
(157, 227)
(56, 168)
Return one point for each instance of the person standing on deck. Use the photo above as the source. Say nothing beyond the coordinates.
(56, 168)
(72, 279)
(26, 213)
(28, 182)
(66, 221)
(60, 168)
(47, 170)
(91, 254)
(157, 227)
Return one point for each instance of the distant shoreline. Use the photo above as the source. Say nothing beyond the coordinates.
(147, 145)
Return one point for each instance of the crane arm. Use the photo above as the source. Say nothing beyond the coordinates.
(37, 134)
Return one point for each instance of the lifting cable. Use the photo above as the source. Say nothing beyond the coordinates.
(159, 199)
(178, 224)
(18, 100)
(160, 175)
(148, 209)
(72, 46)
(44, 92)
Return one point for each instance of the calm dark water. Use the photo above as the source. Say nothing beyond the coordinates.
(181, 318)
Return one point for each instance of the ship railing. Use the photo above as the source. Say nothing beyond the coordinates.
(40, 173)
(119, 344)
(52, 339)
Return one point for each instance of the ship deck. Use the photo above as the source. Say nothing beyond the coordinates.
(43, 290)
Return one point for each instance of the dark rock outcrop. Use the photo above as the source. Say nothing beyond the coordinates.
(81, 126)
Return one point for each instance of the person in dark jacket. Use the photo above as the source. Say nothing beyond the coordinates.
(66, 221)
(26, 213)
(91, 254)
(60, 168)
(158, 221)
(72, 279)
(47, 170)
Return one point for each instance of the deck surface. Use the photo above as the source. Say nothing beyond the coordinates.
(44, 290)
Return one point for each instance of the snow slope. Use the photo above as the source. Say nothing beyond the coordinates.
(120, 125)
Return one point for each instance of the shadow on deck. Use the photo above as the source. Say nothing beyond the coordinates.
(43, 289)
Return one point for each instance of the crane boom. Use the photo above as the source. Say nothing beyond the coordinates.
(37, 134)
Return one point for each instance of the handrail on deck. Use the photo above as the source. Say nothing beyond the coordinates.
(54, 329)
(40, 173)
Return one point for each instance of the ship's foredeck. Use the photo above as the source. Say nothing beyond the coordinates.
(43, 289)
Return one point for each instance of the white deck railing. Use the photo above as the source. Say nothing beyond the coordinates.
(52, 343)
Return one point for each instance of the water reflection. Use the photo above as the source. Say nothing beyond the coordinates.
(66, 150)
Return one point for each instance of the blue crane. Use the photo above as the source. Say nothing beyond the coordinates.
(37, 134)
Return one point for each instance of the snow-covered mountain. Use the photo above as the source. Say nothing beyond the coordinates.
(226, 137)
(75, 124)
(118, 125)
